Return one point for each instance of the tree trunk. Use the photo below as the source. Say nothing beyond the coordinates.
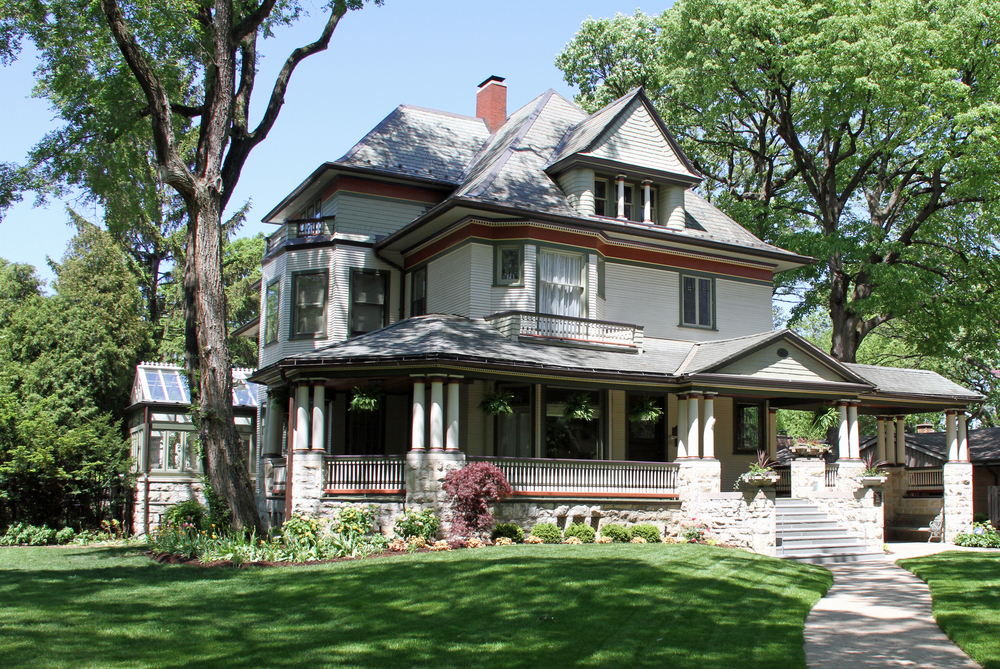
(208, 363)
(846, 335)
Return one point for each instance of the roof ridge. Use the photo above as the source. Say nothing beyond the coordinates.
(441, 112)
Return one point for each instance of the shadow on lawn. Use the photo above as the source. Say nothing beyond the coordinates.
(535, 607)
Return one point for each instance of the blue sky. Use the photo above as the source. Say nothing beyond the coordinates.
(431, 54)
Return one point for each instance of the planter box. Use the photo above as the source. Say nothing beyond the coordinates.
(762, 481)
(807, 450)
(872, 481)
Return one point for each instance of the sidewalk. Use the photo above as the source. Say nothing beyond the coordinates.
(879, 615)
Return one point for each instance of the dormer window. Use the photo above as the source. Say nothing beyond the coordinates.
(626, 200)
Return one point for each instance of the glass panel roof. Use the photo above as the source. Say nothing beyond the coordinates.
(166, 384)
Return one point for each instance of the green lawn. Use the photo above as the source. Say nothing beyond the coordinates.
(525, 606)
(965, 588)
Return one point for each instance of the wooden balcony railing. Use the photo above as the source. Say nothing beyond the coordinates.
(831, 474)
(924, 480)
(588, 478)
(527, 326)
(366, 474)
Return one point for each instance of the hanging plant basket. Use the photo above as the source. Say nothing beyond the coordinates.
(645, 410)
(579, 407)
(364, 399)
(497, 404)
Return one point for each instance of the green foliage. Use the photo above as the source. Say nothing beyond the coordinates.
(617, 533)
(645, 410)
(581, 531)
(418, 524)
(579, 407)
(511, 531)
(547, 532)
(364, 399)
(65, 536)
(189, 512)
(353, 521)
(23, 534)
(694, 532)
(983, 535)
(497, 404)
(651, 533)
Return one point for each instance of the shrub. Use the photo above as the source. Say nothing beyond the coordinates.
(503, 541)
(694, 532)
(532, 539)
(508, 530)
(650, 533)
(982, 536)
(638, 540)
(23, 534)
(605, 540)
(585, 533)
(65, 535)
(423, 524)
(617, 533)
(547, 532)
(190, 512)
(573, 540)
(470, 490)
(355, 521)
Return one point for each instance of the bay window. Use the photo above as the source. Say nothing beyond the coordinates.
(309, 306)
(561, 283)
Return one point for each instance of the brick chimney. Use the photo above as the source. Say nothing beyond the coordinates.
(491, 103)
(925, 428)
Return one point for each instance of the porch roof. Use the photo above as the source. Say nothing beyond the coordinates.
(984, 444)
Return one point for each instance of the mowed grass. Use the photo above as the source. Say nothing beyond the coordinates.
(523, 606)
(965, 589)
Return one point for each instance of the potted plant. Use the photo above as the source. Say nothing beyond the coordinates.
(808, 448)
(497, 404)
(579, 407)
(364, 399)
(645, 410)
(873, 474)
(813, 444)
(760, 474)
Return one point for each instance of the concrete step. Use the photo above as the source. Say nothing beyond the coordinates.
(806, 534)
(821, 544)
(817, 535)
(839, 558)
(801, 517)
(806, 526)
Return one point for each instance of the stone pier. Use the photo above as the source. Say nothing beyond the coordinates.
(957, 499)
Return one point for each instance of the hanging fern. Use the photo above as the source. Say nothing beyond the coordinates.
(579, 407)
(497, 404)
(364, 399)
(645, 410)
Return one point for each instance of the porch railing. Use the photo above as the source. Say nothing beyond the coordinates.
(530, 325)
(371, 474)
(831, 474)
(924, 480)
(783, 488)
(588, 478)
(278, 483)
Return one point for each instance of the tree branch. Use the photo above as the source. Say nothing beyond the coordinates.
(252, 21)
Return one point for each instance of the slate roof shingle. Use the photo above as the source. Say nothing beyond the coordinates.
(910, 381)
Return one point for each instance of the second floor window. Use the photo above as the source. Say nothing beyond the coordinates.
(368, 301)
(418, 292)
(507, 264)
(272, 308)
(697, 302)
(309, 307)
(560, 283)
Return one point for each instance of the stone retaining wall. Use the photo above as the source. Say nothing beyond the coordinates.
(858, 512)
(664, 514)
(163, 493)
(957, 499)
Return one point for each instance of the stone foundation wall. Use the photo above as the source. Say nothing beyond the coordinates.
(916, 506)
(745, 519)
(163, 493)
(664, 514)
(386, 511)
(957, 499)
(858, 512)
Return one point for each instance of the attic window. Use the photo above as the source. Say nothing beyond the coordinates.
(633, 199)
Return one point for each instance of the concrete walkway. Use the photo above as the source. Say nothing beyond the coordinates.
(879, 615)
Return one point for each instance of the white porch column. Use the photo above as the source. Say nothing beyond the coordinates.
(301, 441)
(437, 414)
(682, 425)
(708, 438)
(963, 437)
(772, 433)
(319, 418)
(853, 434)
(693, 426)
(275, 416)
(451, 443)
(951, 435)
(880, 438)
(901, 440)
(890, 439)
(843, 436)
(621, 195)
(418, 426)
(647, 202)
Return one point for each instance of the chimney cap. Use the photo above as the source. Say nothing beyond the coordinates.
(495, 78)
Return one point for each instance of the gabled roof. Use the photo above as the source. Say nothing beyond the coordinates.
(592, 134)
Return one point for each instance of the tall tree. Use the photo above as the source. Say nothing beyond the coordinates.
(861, 132)
(180, 63)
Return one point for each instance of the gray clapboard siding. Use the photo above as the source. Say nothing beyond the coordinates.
(592, 286)
(515, 298)
(481, 281)
(766, 364)
(448, 286)
(358, 213)
(635, 139)
(578, 185)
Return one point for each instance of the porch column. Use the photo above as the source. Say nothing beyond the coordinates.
(772, 432)
(647, 202)
(319, 418)
(275, 416)
(708, 438)
(418, 428)
(301, 442)
(951, 435)
(963, 437)
(437, 414)
(890, 439)
(693, 426)
(451, 443)
(901, 440)
(621, 195)
(843, 438)
(682, 424)
(880, 438)
(852, 426)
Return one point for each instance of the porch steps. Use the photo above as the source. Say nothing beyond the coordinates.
(806, 534)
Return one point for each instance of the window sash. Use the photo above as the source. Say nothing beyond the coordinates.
(272, 310)
(601, 197)
(560, 284)
(749, 436)
(509, 265)
(696, 301)
(368, 302)
(418, 292)
(310, 292)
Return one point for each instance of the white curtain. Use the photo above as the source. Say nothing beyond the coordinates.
(560, 287)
